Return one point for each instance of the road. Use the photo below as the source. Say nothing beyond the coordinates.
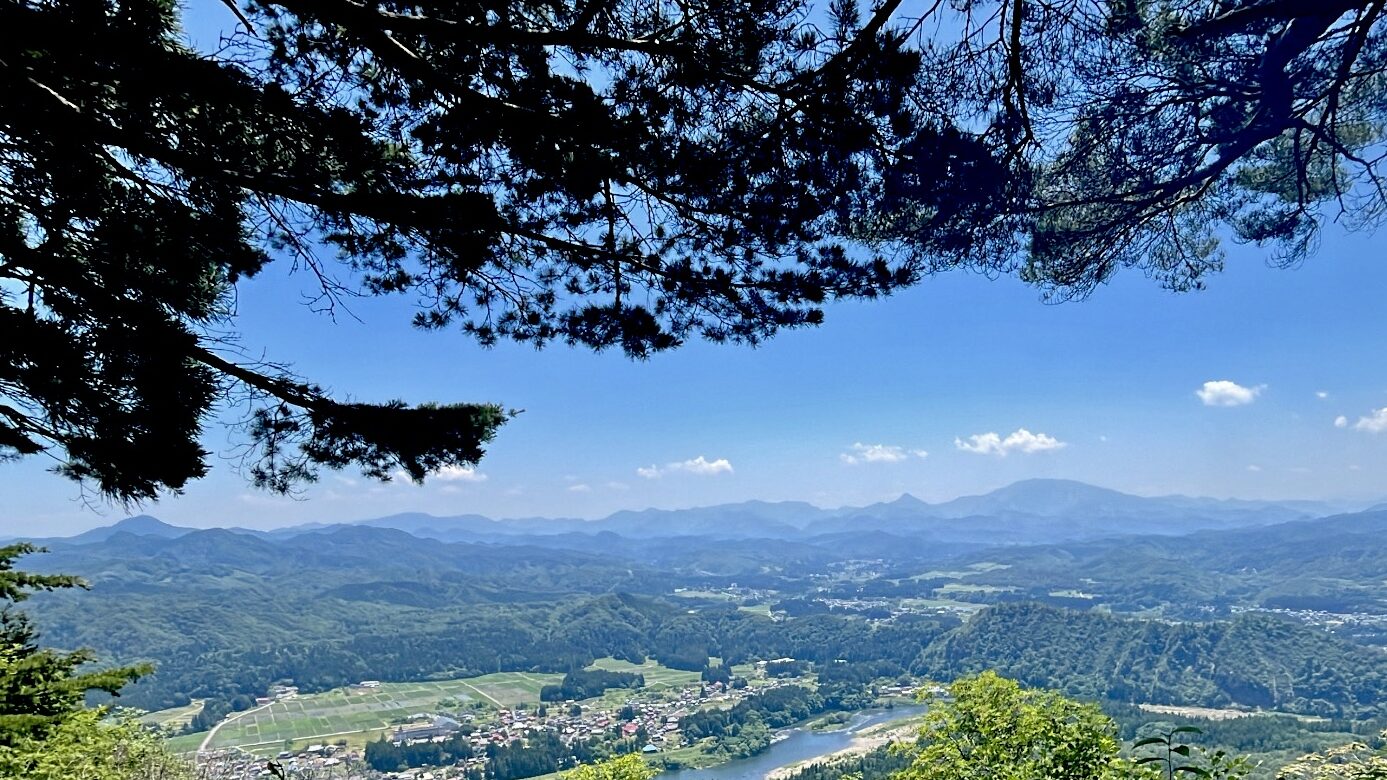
(212, 733)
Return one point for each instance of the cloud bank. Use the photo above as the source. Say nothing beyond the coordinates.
(1375, 422)
(1020, 440)
(700, 466)
(458, 474)
(879, 453)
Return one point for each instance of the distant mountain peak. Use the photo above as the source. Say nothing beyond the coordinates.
(1027, 511)
(139, 525)
(1041, 496)
(146, 525)
(1056, 485)
(908, 500)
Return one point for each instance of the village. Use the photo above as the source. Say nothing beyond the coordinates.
(647, 720)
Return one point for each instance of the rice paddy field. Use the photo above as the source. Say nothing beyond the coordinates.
(656, 676)
(359, 715)
(175, 718)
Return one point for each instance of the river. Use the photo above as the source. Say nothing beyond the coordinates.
(801, 745)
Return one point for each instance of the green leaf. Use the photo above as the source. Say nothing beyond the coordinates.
(1150, 741)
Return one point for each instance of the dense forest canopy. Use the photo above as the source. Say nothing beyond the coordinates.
(623, 174)
(46, 732)
(225, 615)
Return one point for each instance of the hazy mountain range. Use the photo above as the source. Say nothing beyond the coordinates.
(1027, 512)
(200, 599)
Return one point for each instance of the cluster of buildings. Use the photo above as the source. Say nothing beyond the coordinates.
(656, 714)
(435, 727)
(277, 693)
(315, 762)
(1369, 626)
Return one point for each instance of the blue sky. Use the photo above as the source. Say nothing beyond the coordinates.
(1108, 390)
(885, 398)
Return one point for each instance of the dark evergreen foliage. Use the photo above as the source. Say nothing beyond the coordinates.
(618, 175)
(615, 174)
(588, 683)
(716, 674)
(1256, 660)
(773, 708)
(383, 755)
(41, 687)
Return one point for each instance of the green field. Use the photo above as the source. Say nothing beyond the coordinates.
(185, 745)
(358, 714)
(982, 567)
(940, 604)
(963, 587)
(175, 718)
(711, 595)
(656, 676)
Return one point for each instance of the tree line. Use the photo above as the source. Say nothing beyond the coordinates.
(589, 683)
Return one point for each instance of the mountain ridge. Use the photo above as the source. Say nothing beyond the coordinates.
(1024, 512)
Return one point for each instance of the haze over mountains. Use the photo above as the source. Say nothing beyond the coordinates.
(225, 611)
(1028, 512)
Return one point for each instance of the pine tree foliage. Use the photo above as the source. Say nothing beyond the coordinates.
(611, 174)
(46, 731)
(1144, 133)
(619, 175)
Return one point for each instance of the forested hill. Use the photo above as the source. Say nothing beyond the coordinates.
(225, 613)
(1255, 660)
(1352, 546)
(1337, 564)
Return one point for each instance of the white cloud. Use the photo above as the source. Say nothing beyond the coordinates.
(459, 474)
(700, 466)
(1376, 422)
(618, 486)
(879, 453)
(1222, 392)
(1322, 394)
(1341, 422)
(579, 488)
(1254, 467)
(1020, 440)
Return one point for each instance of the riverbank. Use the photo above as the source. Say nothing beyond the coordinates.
(865, 741)
(805, 745)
